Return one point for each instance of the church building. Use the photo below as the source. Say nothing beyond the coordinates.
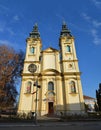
(51, 82)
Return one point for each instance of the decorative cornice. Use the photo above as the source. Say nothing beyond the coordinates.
(55, 74)
(64, 38)
(50, 74)
(31, 61)
(71, 73)
(74, 94)
(30, 74)
(69, 60)
(30, 39)
(49, 52)
(25, 79)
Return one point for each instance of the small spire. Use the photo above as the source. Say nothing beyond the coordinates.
(35, 33)
(64, 26)
(65, 31)
(35, 28)
(64, 22)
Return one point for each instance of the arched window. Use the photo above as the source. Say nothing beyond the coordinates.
(32, 50)
(50, 86)
(68, 49)
(72, 86)
(28, 87)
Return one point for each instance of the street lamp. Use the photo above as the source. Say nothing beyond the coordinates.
(32, 68)
(37, 86)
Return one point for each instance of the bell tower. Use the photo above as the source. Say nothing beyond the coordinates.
(67, 48)
(31, 70)
(33, 52)
(72, 88)
(34, 45)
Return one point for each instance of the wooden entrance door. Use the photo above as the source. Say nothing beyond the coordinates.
(50, 108)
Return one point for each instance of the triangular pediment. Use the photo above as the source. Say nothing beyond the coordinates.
(50, 49)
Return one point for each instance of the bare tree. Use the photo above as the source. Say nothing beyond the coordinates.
(11, 64)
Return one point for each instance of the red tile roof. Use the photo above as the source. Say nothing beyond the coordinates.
(87, 97)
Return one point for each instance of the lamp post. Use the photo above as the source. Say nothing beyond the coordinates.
(32, 68)
(36, 102)
(37, 86)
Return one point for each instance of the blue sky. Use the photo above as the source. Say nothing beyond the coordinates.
(83, 18)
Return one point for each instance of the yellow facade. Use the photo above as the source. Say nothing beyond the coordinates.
(56, 71)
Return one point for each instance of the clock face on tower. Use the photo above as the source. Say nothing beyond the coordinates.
(32, 68)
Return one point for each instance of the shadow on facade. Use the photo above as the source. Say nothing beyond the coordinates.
(74, 108)
(62, 110)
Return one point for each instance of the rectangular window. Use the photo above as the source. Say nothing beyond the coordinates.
(32, 50)
(68, 49)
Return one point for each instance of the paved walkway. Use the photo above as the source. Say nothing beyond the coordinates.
(48, 118)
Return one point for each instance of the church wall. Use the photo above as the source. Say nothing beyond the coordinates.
(59, 67)
(49, 61)
(25, 104)
(43, 92)
(73, 103)
(59, 97)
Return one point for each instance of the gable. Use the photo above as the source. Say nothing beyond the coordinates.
(50, 50)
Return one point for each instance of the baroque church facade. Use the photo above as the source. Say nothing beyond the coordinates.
(51, 81)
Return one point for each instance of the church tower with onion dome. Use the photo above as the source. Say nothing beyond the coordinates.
(51, 82)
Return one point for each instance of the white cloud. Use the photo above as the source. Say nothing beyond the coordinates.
(12, 44)
(9, 43)
(96, 23)
(2, 26)
(10, 31)
(94, 26)
(5, 42)
(60, 17)
(1, 29)
(16, 18)
(92, 21)
(86, 17)
(97, 3)
(5, 28)
(4, 7)
(97, 40)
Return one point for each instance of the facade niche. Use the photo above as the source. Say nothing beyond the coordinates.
(28, 87)
(72, 87)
